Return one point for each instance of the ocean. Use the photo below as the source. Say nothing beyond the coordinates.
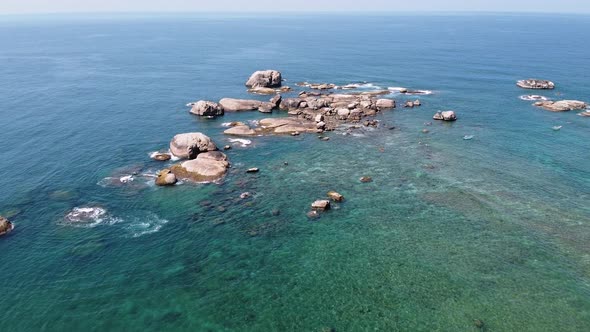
(491, 233)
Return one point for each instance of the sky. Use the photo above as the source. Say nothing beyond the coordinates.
(102, 6)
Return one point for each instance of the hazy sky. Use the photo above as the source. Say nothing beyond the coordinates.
(60, 6)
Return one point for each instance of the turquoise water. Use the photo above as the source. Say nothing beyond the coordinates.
(450, 231)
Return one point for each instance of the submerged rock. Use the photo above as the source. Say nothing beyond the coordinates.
(206, 108)
(535, 84)
(242, 130)
(313, 214)
(166, 178)
(265, 79)
(5, 226)
(562, 105)
(366, 179)
(587, 114)
(189, 145)
(208, 167)
(445, 116)
(161, 156)
(85, 215)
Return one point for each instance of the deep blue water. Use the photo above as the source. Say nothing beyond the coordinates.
(450, 231)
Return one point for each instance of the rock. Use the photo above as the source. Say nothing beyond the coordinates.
(206, 108)
(336, 197)
(382, 104)
(313, 214)
(166, 178)
(417, 103)
(265, 79)
(252, 170)
(263, 91)
(189, 145)
(240, 131)
(245, 195)
(321, 205)
(366, 179)
(445, 116)
(587, 113)
(236, 105)
(321, 125)
(5, 226)
(343, 113)
(409, 104)
(478, 323)
(227, 147)
(286, 126)
(208, 167)
(562, 105)
(295, 133)
(276, 100)
(266, 107)
(161, 156)
(319, 118)
(535, 84)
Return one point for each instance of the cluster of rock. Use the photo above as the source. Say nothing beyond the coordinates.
(445, 116)
(273, 126)
(562, 105)
(535, 84)
(322, 205)
(5, 226)
(205, 163)
(412, 104)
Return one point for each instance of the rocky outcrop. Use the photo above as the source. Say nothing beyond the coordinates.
(445, 116)
(208, 167)
(336, 197)
(236, 105)
(285, 126)
(206, 108)
(189, 145)
(265, 79)
(562, 105)
(166, 178)
(269, 91)
(585, 114)
(241, 130)
(321, 205)
(535, 84)
(5, 226)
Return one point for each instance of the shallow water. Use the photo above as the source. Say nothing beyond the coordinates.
(495, 228)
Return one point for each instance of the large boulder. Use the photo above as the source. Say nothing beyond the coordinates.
(385, 104)
(240, 131)
(562, 105)
(166, 178)
(5, 226)
(189, 145)
(206, 108)
(208, 167)
(445, 116)
(236, 105)
(265, 79)
(533, 83)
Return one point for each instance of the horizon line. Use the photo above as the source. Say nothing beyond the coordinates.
(315, 12)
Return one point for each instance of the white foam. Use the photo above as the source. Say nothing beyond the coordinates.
(126, 178)
(147, 224)
(533, 98)
(243, 142)
(410, 91)
(226, 124)
(89, 217)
